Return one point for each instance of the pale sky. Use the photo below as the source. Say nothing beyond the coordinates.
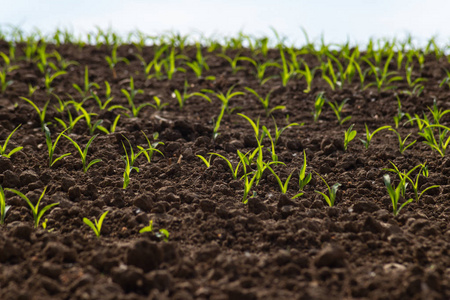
(336, 20)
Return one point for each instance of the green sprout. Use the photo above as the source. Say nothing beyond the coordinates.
(3, 82)
(394, 193)
(113, 60)
(349, 136)
(5, 144)
(163, 233)
(337, 109)
(37, 214)
(283, 186)
(83, 153)
(3, 207)
(131, 98)
(265, 102)
(225, 98)
(369, 135)
(41, 113)
(182, 98)
(206, 161)
(402, 142)
(129, 162)
(87, 85)
(331, 197)
(52, 146)
(278, 132)
(303, 179)
(148, 152)
(97, 227)
(112, 128)
(318, 105)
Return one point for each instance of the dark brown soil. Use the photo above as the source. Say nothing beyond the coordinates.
(219, 248)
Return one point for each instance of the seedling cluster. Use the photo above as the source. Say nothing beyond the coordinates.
(97, 108)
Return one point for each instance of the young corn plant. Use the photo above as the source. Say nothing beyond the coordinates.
(41, 113)
(369, 135)
(83, 153)
(182, 98)
(234, 171)
(199, 64)
(37, 214)
(162, 233)
(331, 197)
(233, 61)
(131, 98)
(402, 142)
(248, 184)
(170, 64)
(48, 80)
(97, 227)
(112, 127)
(217, 122)
(70, 123)
(225, 98)
(261, 68)
(3, 82)
(92, 126)
(400, 113)
(278, 132)
(129, 162)
(318, 105)
(113, 60)
(88, 86)
(288, 70)
(395, 193)
(265, 102)
(303, 179)
(337, 109)
(5, 144)
(349, 136)
(157, 64)
(52, 146)
(382, 76)
(3, 207)
(148, 152)
(206, 161)
(308, 75)
(283, 186)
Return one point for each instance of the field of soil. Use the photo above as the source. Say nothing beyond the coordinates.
(272, 247)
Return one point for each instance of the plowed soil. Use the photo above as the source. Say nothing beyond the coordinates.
(273, 247)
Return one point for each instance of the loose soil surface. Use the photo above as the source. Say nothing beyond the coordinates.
(273, 247)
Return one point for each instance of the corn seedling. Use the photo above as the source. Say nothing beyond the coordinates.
(3, 82)
(308, 75)
(131, 98)
(41, 113)
(288, 70)
(400, 113)
(83, 153)
(3, 207)
(162, 234)
(48, 79)
(71, 122)
(148, 152)
(439, 145)
(369, 135)
(248, 184)
(113, 60)
(337, 109)
(255, 127)
(97, 227)
(225, 98)
(233, 61)
(265, 102)
(92, 126)
(272, 144)
(260, 70)
(129, 162)
(52, 146)
(402, 142)
(283, 186)
(394, 193)
(437, 113)
(278, 132)
(383, 76)
(32, 89)
(112, 128)
(303, 179)
(170, 64)
(5, 144)
(349, 136)
(156, 64)
(159, 105)
(63, 63)
(217, 122)
(206, 161)
(331, 197)
(199, 64)
(234, 171)
(84, 91)
(318, 105)
(37, 214)
(182, 98)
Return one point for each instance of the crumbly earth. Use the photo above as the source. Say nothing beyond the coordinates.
(273, 247)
